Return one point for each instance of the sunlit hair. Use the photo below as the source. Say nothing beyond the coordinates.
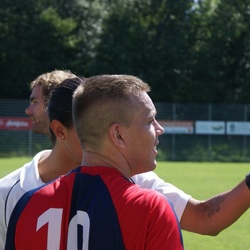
(60, 103)
(103, 100)
(50, 80)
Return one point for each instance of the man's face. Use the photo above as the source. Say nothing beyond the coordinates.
(36, 112)
(142, 136)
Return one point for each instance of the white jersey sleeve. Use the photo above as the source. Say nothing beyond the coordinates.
(13, 186)
(150, 180)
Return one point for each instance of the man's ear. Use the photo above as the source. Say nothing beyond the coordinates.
(58, 129)
(116, 133)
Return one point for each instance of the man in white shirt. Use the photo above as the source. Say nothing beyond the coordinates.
(14, 185)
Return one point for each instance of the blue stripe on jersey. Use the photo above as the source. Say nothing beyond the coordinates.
(76, 170)
(90, 194)
(9, 244)
(6, 201)
(179, 226)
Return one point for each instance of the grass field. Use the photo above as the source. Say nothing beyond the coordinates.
(201, 180)
(8, 165)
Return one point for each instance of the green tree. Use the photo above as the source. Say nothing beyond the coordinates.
(188, 51)
(34, 39)
(40, 36)
(151, 39)
(88, 16)
(220, 72)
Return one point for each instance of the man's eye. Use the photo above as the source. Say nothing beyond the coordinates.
(34, 101)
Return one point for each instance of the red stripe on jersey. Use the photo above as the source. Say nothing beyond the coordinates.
(37, 237)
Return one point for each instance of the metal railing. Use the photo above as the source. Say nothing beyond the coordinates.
(193, 132)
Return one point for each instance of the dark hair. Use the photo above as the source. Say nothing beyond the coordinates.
(60, 103)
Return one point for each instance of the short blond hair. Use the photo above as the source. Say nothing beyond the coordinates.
(50, 80)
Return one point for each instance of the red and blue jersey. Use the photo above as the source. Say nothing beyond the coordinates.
(93, 208)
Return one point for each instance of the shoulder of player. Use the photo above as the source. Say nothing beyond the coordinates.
(135, 195)
(10, 180)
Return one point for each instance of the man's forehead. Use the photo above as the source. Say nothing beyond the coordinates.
(37, 92)
(146, 102)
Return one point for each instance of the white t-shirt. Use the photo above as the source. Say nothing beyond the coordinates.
(15, 184)
(178, 198)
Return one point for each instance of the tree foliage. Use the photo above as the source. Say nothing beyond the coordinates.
(188, 51)
(37, 37)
